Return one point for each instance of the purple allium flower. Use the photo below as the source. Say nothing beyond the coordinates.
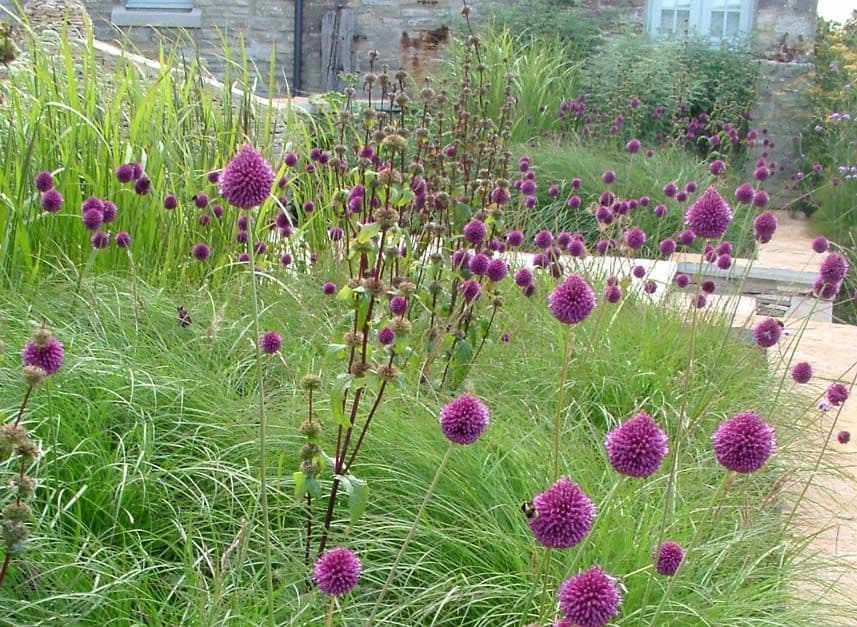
(717, 167)
(270, 343)
(100, 240)
(170, 202)
(398, 305)
(528, 187)
(681, 280)
(686, 237)
(309, 206)
(52, 201)
(764, 226)
(608, 176)
(668, 558)
(708, 287)
(724, 262)
(590, 599)
(497, 270)
(768, 332)
(464, 419)
(386, 336)
(563, 515)
(44, 181)
(514, 238)
(635, 238)
(681, 196)
(743, 443)
(572, 301)
(820, 244)
(125, 173)
(563, 239)
(650, 287)
(660, 211)
(744, 193)
(49, 357)
(201, 201)
(837, 394)
(710, 215)
(470, 290)
(528, 290)
(575, 183)
(633, 146)
(286, 260)
(475, 232)
(123, 240)
(523, 277)
(143, 185)
(335, 233)
(214, 176)
(690, 187)
(553, 191)
(667, 247)
(637, 447)
(93, 219)
(827, 291)
(246, 181)
(670, 190)
(576, 247)
(242, 237)
(833, 269)
(761, 198)
(328, 288)
(109, 212)
(638, 271)
(700, 301)
(543, 239)
(204, 219)
(337, 572)
(762, 173)
(478, 264)
(843, 437)
(802, 372)
(136, 170)
(201, 252)
(290, 159)
(613, 294)
(260, 248)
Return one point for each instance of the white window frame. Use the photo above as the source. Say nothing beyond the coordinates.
(699, 21)
(159, 13)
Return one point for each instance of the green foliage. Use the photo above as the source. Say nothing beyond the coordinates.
(686, 76)
(150, 468)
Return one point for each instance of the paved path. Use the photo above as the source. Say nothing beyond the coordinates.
(829, 510)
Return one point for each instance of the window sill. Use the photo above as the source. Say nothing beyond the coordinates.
(120, 16)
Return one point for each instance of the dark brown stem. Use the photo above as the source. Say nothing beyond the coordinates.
(308, 527)
(5, 567)
(366, 425)
(24, 404)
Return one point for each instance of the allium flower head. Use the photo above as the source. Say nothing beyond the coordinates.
(475, 232)
(686, 237)
(802, 372)
(667, 247)
(820, 244)
(744, 193)
(681, 280)
(93, 219)
(47, 355)
(201, 252)
(464, 419)
(613, 294)
(470, 290)
(563, 515)
(768, 332)
(478, 264)
(668, 558)
(398, 305)
(328, 288)
(123, 240)
(833, 269)
(633, 146)
(52, 201)
(246, 181)
(125, 173)
(497, 270)
(572, 301)
(143, 185)
(337, 572)
(743, 443)
(543, 239)
(44, 181)
(100, 240)
(843, 437)
(170, 202)
(270, 343)
(837, 394)
(717, 167)
(638, 447)
(764, 226)
(514, 238)
(710, 215)
(523, 277)
(608, 177)
(590, 599)
(635, 238)
(386, 336)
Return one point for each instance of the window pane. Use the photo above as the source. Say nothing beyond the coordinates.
(667, 21)
(717, 24)
(682, 19)
(733, 19)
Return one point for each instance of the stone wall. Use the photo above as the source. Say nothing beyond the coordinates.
(785, 29)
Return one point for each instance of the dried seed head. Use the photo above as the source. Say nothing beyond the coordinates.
(388, 373)
(401, 326)
(353, 339)
(360, 369)
(33, 375)
(310, 429)
(41, 336)
(311, 382)
(310, 451)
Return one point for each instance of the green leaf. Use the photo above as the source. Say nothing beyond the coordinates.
(300, 484)
(367, 232)
(358, 499)
(343, 382)
(340, 351)
(461, 357)
(345, 294)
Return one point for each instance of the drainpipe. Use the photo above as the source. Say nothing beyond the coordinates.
(297, 55)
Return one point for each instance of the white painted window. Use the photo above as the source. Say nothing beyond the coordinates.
(162, 5)
(717, 19)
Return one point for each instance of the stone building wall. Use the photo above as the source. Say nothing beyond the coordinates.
(785, 29)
